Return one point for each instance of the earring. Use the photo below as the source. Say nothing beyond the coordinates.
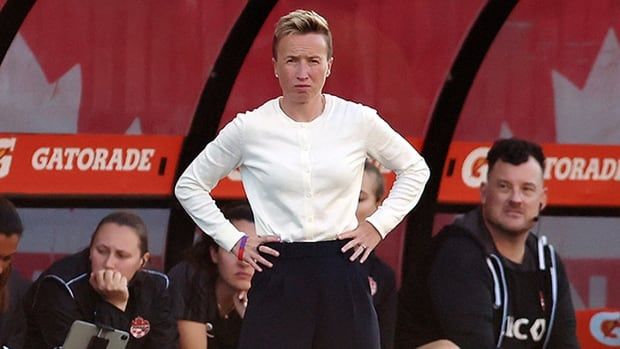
(277, 77)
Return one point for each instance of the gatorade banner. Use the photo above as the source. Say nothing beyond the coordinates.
(88, 164)
(575, 175)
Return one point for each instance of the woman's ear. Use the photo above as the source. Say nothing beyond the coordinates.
(145, 259)
(213, 253)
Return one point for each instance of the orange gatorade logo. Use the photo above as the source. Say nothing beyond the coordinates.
(560, 168)
(89, 164)
(585, 175)
(7, 146)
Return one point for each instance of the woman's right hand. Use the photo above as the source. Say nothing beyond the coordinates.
(253, 246)
(112, 286)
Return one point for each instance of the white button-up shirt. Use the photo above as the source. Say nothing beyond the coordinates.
(302, 179)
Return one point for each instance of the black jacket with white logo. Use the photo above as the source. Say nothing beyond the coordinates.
(63, 294)
(470, 294)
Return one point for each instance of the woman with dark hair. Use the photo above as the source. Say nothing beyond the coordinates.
(12, 285)
(209, 289)
(381, 277)
(105, 284)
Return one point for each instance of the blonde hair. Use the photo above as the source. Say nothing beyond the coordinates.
(302, 22)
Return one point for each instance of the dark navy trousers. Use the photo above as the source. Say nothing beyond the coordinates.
(312, 298)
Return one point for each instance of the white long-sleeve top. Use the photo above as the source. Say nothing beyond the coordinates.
(302, 179)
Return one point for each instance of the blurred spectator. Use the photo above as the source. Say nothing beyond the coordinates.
(12, 285)
(105, 284)
(381, 277)
(209, 289)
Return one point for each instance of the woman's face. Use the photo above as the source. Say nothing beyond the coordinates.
(117, 247)
(368, 200)
(234, 273)
(302, 66)
(8, 248)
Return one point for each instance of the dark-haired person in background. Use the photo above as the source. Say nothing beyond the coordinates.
(12, 285)
(105, 284)
(492, 283)
(209, 289)
(381, 277)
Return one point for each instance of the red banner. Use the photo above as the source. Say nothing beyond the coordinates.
(576, 175)
(598, 328)
(88, 164)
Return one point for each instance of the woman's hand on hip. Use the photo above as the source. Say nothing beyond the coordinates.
(364, 239)
(254, 245)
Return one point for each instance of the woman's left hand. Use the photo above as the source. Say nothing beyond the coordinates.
(364, 239)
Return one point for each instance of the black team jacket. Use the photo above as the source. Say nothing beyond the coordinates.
(468, 293)
(63, 294)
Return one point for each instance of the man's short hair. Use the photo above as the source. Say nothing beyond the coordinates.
(515, 151)
(10, 223)
(302, 22)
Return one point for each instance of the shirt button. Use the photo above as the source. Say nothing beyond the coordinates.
(308, 195)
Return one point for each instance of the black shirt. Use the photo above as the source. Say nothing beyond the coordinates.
(452, 296)
(63, 294)
(13, 322)
(193, 294)
(382, 282)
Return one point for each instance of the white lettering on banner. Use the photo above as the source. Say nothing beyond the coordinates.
(582, 169)
(564, 168)
(475, 167)
(7, 146)
(92, 159)
(518, 329)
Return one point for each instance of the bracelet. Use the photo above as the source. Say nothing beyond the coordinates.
(242, 242)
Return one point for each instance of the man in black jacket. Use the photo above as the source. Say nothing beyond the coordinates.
(12, 285)
(490, 282)
(106, 285)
